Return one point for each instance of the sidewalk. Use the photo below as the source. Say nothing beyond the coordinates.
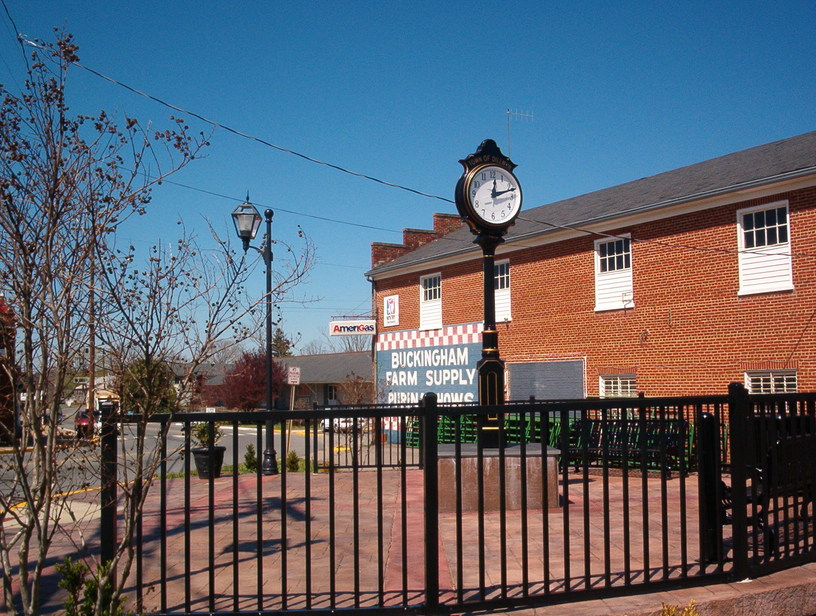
(786, 593)
(333, 574)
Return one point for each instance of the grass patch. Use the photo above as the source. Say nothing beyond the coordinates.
(179, 475)
(242, 469)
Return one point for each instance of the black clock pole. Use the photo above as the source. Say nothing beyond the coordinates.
(488, 197)
(490, 367)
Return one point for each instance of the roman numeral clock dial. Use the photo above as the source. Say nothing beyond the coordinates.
(488, 195)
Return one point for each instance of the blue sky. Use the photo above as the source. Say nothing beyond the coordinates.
(401, 91)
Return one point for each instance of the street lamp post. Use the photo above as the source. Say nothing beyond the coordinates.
(247, 222)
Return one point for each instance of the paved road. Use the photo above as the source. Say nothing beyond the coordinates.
(79, 460)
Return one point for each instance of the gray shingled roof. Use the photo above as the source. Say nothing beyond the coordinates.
(331, 367)
(756, 166)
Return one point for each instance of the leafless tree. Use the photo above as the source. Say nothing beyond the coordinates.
(225, 353)
(337, 344)
(357, 389)
(317, 346)
(349, 344)
(67, 184)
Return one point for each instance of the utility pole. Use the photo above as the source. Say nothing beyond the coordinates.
(91, 397)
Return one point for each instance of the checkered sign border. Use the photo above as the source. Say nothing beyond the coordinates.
(417, 339)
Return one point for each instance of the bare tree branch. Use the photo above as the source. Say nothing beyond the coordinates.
(67, 184)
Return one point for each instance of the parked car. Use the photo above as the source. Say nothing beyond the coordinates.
(341, 424)
(84, 424)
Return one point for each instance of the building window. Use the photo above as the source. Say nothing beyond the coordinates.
(430, 305)
(501, 277)
(771, 382)
(615, 255)
(618, 386)
(613, 274)
(765, 227)
(431, 288)
(764, 249)
(331, 393)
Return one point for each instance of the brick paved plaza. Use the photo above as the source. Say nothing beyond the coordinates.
(592, 542)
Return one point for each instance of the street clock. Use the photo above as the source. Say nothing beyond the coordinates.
(488, 195)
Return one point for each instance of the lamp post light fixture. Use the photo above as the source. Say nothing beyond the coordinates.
(247, 222)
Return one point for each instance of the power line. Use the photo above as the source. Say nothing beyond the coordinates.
(238, 133)
(263, 142)
(17, 34)
(246, 135)
(276, 208)
(520, 244)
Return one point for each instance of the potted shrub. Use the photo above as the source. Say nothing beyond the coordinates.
(203, 454)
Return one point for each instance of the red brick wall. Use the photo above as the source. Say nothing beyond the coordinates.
(382, 253)
(688, 332)
(445, 223)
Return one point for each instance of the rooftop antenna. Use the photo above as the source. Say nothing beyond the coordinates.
(517, 114)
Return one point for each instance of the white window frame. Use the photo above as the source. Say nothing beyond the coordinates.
(617, 385)
(501, 285)
(613, 287)
(766, 268)
(771, 381)
(430, 302)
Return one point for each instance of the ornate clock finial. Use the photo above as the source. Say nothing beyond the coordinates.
(487, 152)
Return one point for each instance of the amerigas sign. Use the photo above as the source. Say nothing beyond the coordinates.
(352, 328)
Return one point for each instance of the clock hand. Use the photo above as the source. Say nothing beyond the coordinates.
(501, 192)
(494, 193)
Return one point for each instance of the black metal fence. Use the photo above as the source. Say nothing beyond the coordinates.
(773, 480)
(401, 509)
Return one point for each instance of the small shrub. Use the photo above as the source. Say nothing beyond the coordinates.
(201, 433)
(674, 610)
(83, 590)
(251, 459)
(72, 581)
(292, 461)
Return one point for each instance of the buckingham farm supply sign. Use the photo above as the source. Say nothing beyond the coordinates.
(410, 364)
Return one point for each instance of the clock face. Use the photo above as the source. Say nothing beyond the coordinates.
(494, 195)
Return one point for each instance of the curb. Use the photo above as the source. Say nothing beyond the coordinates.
(7, 451)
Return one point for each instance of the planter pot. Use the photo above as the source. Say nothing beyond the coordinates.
(201, 456)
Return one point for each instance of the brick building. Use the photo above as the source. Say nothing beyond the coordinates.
(678, 283)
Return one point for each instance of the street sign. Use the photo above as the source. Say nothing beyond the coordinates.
(293, 375)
